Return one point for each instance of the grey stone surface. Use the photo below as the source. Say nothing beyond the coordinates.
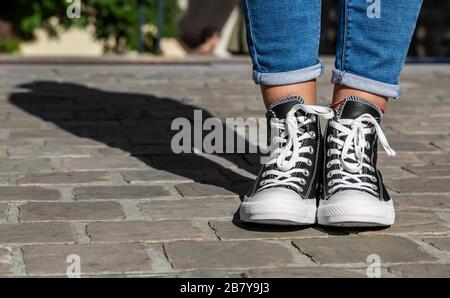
(438, 159)
(119, 192)
(419, 201)
(339, 250)
(439, 171)
(64, 178)
(401, 159)
(28, 193)
(396, 172)
(67, 211)
(195, 208)
(197, 190)
(45, 151)
(421, 270)
(86, 166)
(411, 222)
(237, 230)
(229, 254)
(36, 233)
(304, 272)
(3, 212)
(152, 176)
(440, 243)
(95, 258)
(25, 165)
(5, 260)
(101, 163)
(420, 185)
(144, 231)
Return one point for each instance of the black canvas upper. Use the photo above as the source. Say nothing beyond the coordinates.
(351, 108)
(279, 109)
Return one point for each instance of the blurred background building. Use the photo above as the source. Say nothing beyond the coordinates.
(172, 28)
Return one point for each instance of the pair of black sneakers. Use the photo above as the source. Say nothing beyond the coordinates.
(330, 179)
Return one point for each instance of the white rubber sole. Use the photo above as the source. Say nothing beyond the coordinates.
(279, 212)
(363, 215)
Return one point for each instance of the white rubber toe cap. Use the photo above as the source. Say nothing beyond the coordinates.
(355, 208)
(278, 193)
(279, 206)
(354, 197)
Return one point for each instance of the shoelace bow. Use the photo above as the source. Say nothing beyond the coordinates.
(352, 158)
(288, 154)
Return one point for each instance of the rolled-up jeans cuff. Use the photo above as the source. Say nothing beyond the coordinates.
(288, 77)
(342, 77)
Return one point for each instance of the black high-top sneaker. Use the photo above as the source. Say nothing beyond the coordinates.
(286, 188)
(353, 192)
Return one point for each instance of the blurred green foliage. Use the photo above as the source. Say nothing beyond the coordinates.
(9, 45)
(115, 22)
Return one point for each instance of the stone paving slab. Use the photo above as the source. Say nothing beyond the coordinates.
(215, 254)
(421, 270)
(143, 231)
(3, 212)
(411, 222)
(71, 211)
(440, 243)
(237, 230)
(119, 192)
(95, 258)
(28, 193)
(419, 201)
(86, 168)
(304, 272)
(36, 233)
(5, 260)
(355, 249)
(63, 178)
(191, 209)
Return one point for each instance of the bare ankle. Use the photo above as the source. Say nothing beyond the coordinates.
(341, 92)
(306, 90)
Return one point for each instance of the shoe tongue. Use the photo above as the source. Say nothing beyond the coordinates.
(352, 107)
(282, 106)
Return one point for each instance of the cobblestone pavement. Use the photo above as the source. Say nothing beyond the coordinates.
(86, 168)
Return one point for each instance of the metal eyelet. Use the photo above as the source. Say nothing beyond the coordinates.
(330, 183)
(329, 175)
(328, 152)
(328, 165)
(373, 179)
(372, 168)
(302, 181)
(329, 138)
(312, 134)
(309, 163)
(311, 150)
(306, 173)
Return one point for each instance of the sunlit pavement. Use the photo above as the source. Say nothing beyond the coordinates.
(89, 181)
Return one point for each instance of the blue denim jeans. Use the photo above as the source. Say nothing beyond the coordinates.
(372, 43)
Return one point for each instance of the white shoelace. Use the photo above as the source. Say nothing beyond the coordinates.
(286, 148)
(350, 155)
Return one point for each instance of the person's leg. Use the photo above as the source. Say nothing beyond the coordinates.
(283, 40)
(373, 41)
(371, 50)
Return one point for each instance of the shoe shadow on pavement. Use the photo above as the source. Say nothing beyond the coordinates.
(280, 230)
(140, 124)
